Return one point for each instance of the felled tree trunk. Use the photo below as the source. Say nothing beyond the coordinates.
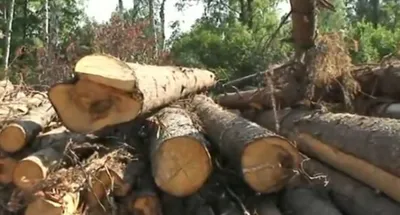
(17, 135)
(60, 205)
(7, 166)
(108, 91)
(145, 199)
(349, 195)
(180, 159)
(378, 107)
(379, 80)
(256, 98)
(305, 201)
(255, 152)
(340, 140)
(115, 173)
(34, 168)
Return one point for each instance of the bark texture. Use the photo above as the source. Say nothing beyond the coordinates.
(368, 138)
(180, 159)
(349, 195)
(34, 168)
(327, 137)
(254, 151)
(18, 134)
(305, 201)
(109, 91)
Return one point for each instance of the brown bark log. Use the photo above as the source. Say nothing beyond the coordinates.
(258, 98)
(18, 134)
(180, 159)
(349, 195)
(305, 201)
(66, 205)
(379, 80)
(254, 151)
(335, 132)
(110, 91)
(34, 168)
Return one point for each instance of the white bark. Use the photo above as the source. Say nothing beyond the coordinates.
(8, 34)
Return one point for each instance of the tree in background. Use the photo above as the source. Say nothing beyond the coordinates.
(232, 38)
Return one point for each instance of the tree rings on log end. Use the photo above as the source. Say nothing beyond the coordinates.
(68, 205)
(87, 106)
(267, 165)
(12, 138)
(181, 165)
(106, 70)
(27, 173)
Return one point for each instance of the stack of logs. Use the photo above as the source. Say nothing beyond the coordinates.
(125, 138)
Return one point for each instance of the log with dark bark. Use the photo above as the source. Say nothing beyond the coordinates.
(34, 168)
(145, 199)
(255, 152)
(306, 201)
(379, 107)
(17, 135)
(362, 147)
(351, 196)
(180, 159)
(107, 91)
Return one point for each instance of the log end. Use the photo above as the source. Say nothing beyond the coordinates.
(266, 165)
(69, 205)
(7, 166)
(12, 138)
(181, 166)
(146, 205)
(86, 106)
(27, 173)
(106, 70)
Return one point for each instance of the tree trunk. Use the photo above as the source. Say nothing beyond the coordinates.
(162, 20)
(109, 91)
(46, 24)
(349, 195)
(180, 159)
(153, 27)
(121, 7)
(8, 35)
(34, 168)
(145, 199)
(305, 201)
(254, 151)
(18, 134)
(341, 143)
(67, 204)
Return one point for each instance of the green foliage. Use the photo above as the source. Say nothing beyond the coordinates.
(373, 43)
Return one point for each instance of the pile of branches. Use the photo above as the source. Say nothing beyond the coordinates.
(127, 138)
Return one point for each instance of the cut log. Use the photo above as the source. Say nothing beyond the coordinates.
(378, 107)
(97, 98)
(266, 206)
(145, 200)
(335, 132)
(255, 152)
(17, 135)
(379, 80)
(253, 98)
(172, 205)
(180, 159)
(66, 205)
(7, 166)
(349, 195)
(305, 201)
(31, 170)
(116, 173)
